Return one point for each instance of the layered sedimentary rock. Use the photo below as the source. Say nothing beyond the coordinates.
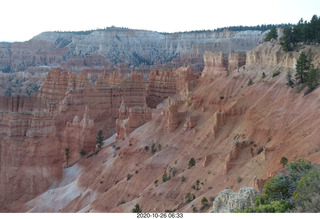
(162, 84)
(99, 49)
(132, 117)
(220, 64)
(79, 136)
(67, 112)
(174, 116)
(30, 156)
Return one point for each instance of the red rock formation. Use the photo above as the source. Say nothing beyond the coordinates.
(79, 134)
(191, 121)
(219, 119)
(161, 85)
(29, 155)
(131, 118)
(215, 64)
(174, 116)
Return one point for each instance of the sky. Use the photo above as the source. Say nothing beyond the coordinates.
(20, 20)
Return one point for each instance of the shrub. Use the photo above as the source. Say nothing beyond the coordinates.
(250, 82)
(239, 179)
(82, 152)
(122, 202)
(165, 176)
(204, 202)
(274, 207)
(189, 197)
(263, 75)
(129, 176)
(284, 161)
(191, 163)
(159, 147)
(137, 209)
(276, 74)
(308, 191)
(183, 179)
(153, 149)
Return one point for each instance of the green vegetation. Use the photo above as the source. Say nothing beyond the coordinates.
(303, 68)
(100, 139)
(258, 27)
(190, 197)
(284, 161)
(153, 148)
(82, 152)
(296, 191)
(137, 209)
(306, 74)
(239, 179)
(165, 176)
(159, 147)
(67, 154)
(183, 179)
(191, 163)
(250, 82)
(276, 74)
(204, 204)
(289, 79)
(122, 202)
(263, 75)
(303, 31)
(272, 34)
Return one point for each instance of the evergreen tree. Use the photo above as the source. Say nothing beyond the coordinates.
(286, 39)
(302, 68)
(100, 139)
(272, 34)
(137, 209)
(67, 154)
(289, 79)
(313, 78)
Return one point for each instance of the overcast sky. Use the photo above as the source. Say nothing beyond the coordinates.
(20, 20)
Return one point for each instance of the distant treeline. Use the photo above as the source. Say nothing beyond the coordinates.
(303, 31)
(263, 27)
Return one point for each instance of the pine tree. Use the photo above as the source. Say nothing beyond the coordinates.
(67, 154)
(286, 39)
(302, 68)
(137, 209)
(313, 78)
(100, 139)
(272, 34)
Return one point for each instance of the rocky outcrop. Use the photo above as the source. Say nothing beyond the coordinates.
(79, 135)
(174, 116)
(131, 118)
(102, 49)
(191, 121)
(216, 64)
(30, 156)
(67, 112)
(163, 84)
(219, 119)
(228, 201)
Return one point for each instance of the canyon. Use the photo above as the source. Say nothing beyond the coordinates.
(114, 48)
(154, 126)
